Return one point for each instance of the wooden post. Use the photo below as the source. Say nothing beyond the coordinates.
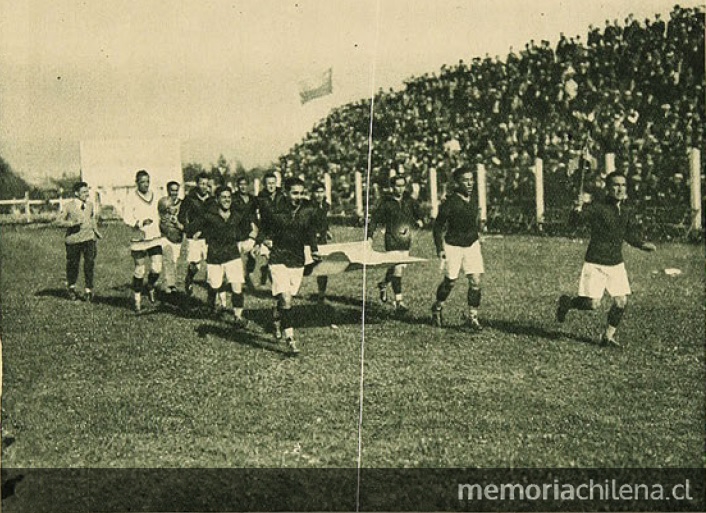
(327, 188)
(359, 193)
(609, 163)
(278, 177)
(539, 191)
(256, 186)
(482, 198)
(433, 193)
(61, 200)
(695, 185)
(28, 211)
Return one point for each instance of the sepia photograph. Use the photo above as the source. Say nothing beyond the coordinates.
(345, 255)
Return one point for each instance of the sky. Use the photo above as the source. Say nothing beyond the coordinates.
(222, 76)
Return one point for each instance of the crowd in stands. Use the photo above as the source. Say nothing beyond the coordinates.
(634, 89)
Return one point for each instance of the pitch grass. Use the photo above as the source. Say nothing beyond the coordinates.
(94, 385)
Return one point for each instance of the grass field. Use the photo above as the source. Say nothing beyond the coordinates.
(94, 385)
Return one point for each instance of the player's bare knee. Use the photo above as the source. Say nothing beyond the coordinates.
(156, 265)
(594, 303)
(474, 281)
(620, 301)
(398, 270)
(140, 270)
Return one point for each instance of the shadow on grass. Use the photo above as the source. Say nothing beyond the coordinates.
(343, 300)
(60, 293)
(307, 316)
(533, 330)
(244, 337)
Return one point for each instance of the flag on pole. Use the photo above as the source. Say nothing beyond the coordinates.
(316, 87)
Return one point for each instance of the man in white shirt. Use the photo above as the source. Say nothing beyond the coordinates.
(141, 212)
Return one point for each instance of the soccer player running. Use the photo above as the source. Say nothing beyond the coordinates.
(79, 219)
(459, 249)
(292, 227)
(172, 232)
(398, 212)
(246, 205)
(192, 208)
(222, 228)
(323, 235)
(141, 213)
(269, 199)
(611, 222)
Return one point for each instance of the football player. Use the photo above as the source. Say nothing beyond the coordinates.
(398, 212)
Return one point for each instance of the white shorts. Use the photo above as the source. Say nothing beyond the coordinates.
(308, 259)
(233, 272)
(246, 246)
(196, 250)
(469, 259)
(171, 249)
(596, 279)
(286, 280)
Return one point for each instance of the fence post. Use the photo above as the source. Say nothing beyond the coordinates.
(609, 163)
(28, 211)
(695, 184)
(256, 186)
(61, 200)
(327, 188)
(433, 193)
(482, 203)
(278, 177)
(539, 191)
(359, 193)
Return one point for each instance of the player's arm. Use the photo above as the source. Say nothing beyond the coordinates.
(439, 228)
(580, 212)
(130, 217)
(67, 218)
(634, 237)
(378, 217)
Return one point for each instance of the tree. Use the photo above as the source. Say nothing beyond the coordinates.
(191, 170)
(11, 185)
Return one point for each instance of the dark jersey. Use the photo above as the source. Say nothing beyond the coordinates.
(292, 229)
(222, 235)
(610, 225)
(193, 207)
(460, 218)
(398, 217)
(266, 204)
(247, 210)
(322, 211)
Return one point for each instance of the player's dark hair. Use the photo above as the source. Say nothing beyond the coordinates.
(140, 174)
(202, 175)
(221, 189)
(460, 171)
(316, 186)
(269, 174)
(172, 183)
(79, 185)
(292, 181)
(242, 178)
(611, 176)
